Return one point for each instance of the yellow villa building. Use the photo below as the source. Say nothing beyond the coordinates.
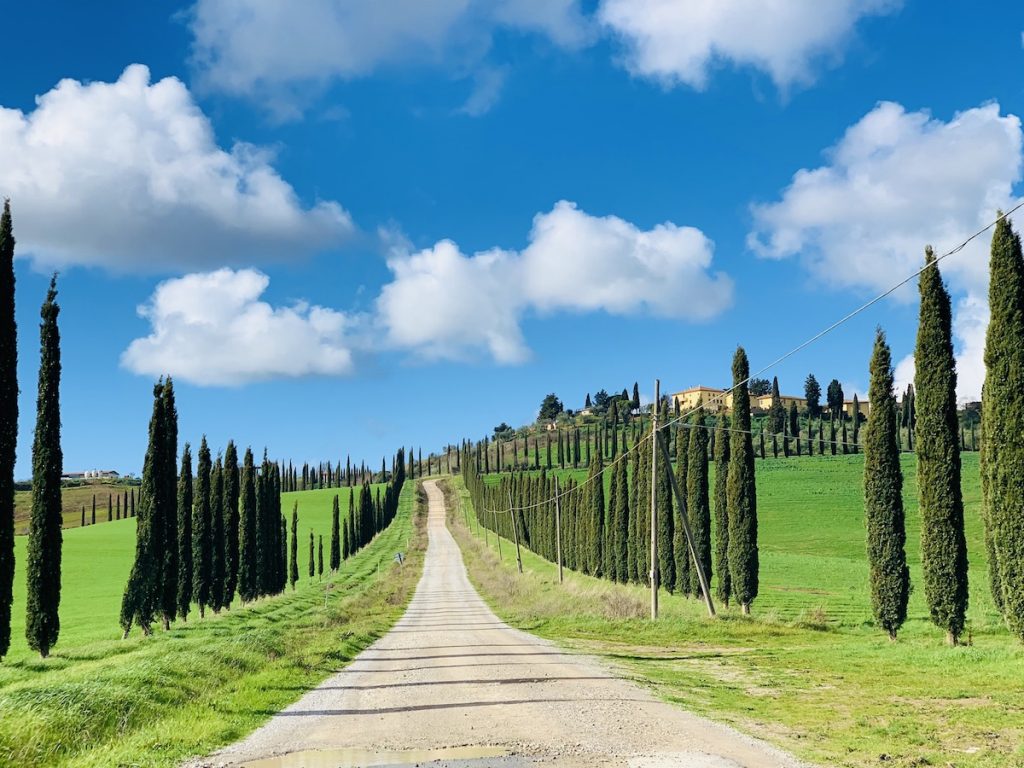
(714, 400)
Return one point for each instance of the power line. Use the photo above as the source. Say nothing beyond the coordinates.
(720, 397)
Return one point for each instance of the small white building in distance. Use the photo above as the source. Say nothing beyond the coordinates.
(92, 474)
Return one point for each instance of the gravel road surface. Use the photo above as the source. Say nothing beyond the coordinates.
(452, 685)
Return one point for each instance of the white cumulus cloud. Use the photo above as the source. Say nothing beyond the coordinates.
(212, 328)
(676, 41)
(128, 175)
(894, 183)
(443, 303)
(245, 47)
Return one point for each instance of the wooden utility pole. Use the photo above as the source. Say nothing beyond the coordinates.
(558, 530)
(681, 503)
(654, 499)
(515, 532)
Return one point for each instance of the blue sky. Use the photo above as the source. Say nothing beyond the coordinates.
(350, 230)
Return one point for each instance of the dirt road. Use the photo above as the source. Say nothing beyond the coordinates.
(452, 685)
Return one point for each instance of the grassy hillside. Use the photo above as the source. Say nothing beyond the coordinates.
(96, 561)
(154, 701)
(809, 671)
(73, 499)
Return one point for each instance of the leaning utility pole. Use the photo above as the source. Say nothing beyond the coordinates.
(681, 503)
(558, 530)
(654, 499)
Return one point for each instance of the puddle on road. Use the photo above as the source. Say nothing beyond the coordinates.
(361, 758)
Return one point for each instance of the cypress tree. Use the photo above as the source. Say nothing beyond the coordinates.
(202, 563)
(1002, 424)
(681, 552)
(620, 520)
(248, 585)
(231, 517)
(94, 509)
(8, 424)
(724, 581)
(110, 508)
(883, 498)
(943, 543)
(595, 521)
(794, 425)
(777, 411)
(741, 492)
(312, 563)
(320, 556)
(168, 519)
(82, 524)
(140, 594)
(293, 572)
(698, 507)
(42, 623)
(335, 535)
(217, 535)
(282, 564)
(184, 596)
(856, 422)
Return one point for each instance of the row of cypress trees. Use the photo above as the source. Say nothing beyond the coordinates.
(939, 438)
(205, 538)
(43, 555)
(608, 535)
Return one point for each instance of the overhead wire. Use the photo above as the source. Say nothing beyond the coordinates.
(721, 396)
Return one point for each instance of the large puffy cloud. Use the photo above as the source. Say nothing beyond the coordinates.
(443, 303)
(896, 181)
(245, 46)
(680, 42)
(212, 329)
(128, 175)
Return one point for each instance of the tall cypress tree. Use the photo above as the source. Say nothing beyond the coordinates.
(620, 517)
(943, 543)
(141, 593)
(335, 535)
(595, 518)
(883, 498)
(681, 551)
(8, 424)
(1002, 424)
(248, 584)
(723, 588)
(185, 533)
(320, 556)
(776, 412)
(698, 507)
(312, 563)
(741, 492)
(168, 519)
(202, 565)
(42, 622)
(293, 573)
(217, 535)
(794, 425)
(231, 517)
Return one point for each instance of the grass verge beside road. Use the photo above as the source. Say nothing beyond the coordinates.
(830, 689)
(157, 701)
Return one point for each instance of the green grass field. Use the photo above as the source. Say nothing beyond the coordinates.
(809, 671)
(99, 700)
(96, 561)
